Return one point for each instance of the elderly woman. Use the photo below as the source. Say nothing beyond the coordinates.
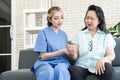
(96, 48)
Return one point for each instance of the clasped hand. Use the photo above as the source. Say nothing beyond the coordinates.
(72, 49)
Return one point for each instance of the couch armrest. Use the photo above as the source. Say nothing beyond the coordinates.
(116, 62)
(27, 59)
(21, 74)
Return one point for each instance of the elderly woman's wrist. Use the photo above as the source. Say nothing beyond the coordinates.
(107, 60)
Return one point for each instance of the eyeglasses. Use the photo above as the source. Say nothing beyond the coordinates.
(90, 44)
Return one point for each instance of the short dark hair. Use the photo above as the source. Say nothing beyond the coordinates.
(100, 14)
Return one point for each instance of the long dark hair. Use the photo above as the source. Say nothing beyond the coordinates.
(100, 14)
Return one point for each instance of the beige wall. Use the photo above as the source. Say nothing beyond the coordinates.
(22, 5)
(74, 11)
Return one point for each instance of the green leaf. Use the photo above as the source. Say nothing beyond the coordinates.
(115, 27)
(111, 29)
(115, 30)
(119, 28)
(112, 32)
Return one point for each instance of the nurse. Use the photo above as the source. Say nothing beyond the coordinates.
(52, 63)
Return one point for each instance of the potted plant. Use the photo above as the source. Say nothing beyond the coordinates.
(115, 30)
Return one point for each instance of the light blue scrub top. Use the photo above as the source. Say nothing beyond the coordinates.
(50, 41)
(88, 59)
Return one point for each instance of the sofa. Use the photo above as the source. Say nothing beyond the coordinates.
(26, 60)
(28, 57)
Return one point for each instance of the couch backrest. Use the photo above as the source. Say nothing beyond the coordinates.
(116, 62)
(27, 59)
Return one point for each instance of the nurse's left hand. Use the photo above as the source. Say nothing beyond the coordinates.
(72, 49)
(65, 51)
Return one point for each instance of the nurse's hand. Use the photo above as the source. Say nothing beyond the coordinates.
(73, 50)
(65, 51)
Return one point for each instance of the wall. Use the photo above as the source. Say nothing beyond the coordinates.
(75, 10)
(22, 5)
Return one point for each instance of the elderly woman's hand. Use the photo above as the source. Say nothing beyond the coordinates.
(72, 49)
(100, 66)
